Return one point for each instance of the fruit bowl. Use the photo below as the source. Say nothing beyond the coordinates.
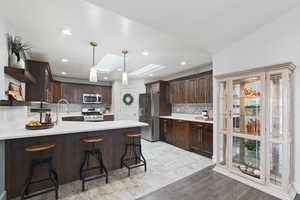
(39, 126)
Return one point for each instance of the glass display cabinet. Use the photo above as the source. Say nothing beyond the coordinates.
(255, 128)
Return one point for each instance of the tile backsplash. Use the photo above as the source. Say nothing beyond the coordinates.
(193, 108)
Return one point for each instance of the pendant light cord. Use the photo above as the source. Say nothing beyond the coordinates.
(124, 62)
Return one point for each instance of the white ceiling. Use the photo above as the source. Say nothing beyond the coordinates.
(171, 31)
(209, 25)
(40, 22)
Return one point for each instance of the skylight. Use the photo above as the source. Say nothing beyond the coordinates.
(148, 69)
(109, 63)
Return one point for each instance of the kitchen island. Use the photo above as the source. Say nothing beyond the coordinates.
(68, 152)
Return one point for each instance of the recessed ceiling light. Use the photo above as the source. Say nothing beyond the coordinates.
(105, 78)
(183, 63)
(145, 53)
(150, 75)
(66, 32)
(119, 69)
(63, 73)
(64, 60)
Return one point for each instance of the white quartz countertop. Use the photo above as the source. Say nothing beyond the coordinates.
(186, 117)
(67, 128)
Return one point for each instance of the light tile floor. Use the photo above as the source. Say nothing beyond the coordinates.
(166, 164)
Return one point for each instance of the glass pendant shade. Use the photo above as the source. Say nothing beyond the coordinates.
(93, 70)
(124, 74)
(93, 74)
(124, 78)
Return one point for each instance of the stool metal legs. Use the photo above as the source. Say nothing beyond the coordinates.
(96, 153)
(137, 150)
(52, 177)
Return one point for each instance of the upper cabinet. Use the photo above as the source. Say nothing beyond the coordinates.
(48, 90)
(73, 92)
(161, 87)
(193, 89)
(42, 90)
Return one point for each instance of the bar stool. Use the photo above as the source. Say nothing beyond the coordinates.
(96, 153)
(136, 149)
(52, 175)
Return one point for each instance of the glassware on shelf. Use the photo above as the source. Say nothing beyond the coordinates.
(246, 106)
(246, 156)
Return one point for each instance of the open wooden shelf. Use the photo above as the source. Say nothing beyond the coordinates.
(20, 74)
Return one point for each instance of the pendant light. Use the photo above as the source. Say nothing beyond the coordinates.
(124, 74)
(93, 70)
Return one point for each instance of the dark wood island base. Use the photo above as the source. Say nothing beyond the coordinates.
(67, 156)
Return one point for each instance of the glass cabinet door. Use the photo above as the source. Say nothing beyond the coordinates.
(246, 136)
(247, 106)
(223, 120)
(275, 127)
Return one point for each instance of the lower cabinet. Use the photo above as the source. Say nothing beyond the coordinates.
(180, 130)
(108, 117)
(166, 131)
(201, 136)
(191, 136)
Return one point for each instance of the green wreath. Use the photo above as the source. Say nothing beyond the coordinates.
(128, 99)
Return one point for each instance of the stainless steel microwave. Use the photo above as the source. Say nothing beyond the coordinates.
(91, 98)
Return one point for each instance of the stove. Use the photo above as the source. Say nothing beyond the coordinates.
(92, 114)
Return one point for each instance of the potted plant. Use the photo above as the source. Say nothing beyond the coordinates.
(16, 51)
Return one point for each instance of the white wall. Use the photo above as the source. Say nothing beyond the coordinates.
(274, 43)
(3, 62)
(5, 79)
(117, 88)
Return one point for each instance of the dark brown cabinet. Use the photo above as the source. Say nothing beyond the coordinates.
(181, 132)
(166, 131)
(73, 92)
(161, 87)
(41, 90)
(201, 137)
(56, 91)
(108, 117)
(191, 136)
(192, 89)
(177, 92)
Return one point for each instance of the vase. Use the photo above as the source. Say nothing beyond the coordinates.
(20, 64)
(13, 62)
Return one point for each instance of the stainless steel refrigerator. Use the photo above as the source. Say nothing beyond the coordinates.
(149, 113)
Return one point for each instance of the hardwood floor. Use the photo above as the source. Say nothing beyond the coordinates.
(209, 185)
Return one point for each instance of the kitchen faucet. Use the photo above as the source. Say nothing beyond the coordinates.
(61, 101)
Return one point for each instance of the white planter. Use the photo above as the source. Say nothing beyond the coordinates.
(13, 62)
(21, 64)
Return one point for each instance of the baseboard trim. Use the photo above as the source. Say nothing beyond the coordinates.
(3, 195)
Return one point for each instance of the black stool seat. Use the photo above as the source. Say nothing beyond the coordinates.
(52, 175)
(134, 148)
(96, 153)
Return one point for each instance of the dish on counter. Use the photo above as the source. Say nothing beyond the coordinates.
(36, 125)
